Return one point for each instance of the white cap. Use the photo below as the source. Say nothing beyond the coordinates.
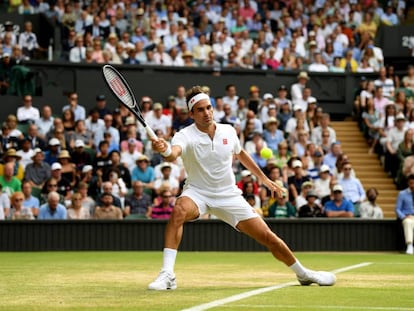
(296, 163)
(54, 142)
(267, 96)
(337, 187)
(297, 108)
(245, 173)
(324, 168)
(87, 168)
(79, 143)
(56, 166)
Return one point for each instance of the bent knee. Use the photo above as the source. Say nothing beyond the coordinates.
(184, 211)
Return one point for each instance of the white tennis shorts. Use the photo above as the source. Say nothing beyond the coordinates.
(229, 207)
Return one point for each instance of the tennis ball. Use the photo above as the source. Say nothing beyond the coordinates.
(266, 153)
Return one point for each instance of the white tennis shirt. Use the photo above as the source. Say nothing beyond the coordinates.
(208, 162)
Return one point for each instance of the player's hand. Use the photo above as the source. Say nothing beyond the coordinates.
(159, 145)
(276, 188)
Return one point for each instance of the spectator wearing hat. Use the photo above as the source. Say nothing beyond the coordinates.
(272, 135)
(166, 180)
(296, 90)
(27, 113)
(311, 208)
(301, 199)
(245, 177)
(51, 155)
(68, 167)
(11, 156)
(80, 157)
(57, 182)
(101, 106)
(157, 120)
(314, 158)
(264, 106)
(144, 172)
(9, 182)
(296, 180)
(38, 172)
(338, 206)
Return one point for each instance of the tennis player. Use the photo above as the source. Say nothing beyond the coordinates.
(207, 149)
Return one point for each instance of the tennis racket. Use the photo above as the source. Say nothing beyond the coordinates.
(120, 88)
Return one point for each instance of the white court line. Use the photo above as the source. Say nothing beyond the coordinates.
(220, 302)
(320, 307)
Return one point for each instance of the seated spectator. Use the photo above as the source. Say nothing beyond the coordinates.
(25, 154)
(130, 156)
(311, 208)
(164, 209)
(68, 167)
(331, 157)
(11, 156)
(352, 187)
(27, 113)
(92, 180)
(283, 156)
(76, 210)
(45, 122)
(102, 161)
(51, 185)
(80, 157)
(246, 177)
(7, 141)
(9, 182)
(301, 198)
(138, 202)
(51, 155)
(81, 133)
(248, 189)
(282, 208)
(323, 184)
(14, 131)
(371, 117)
(144, 173)
(30, 201)
(17, 210)
(296, 180)
(52, 209)
(106, 209)
(4, 204)
(404, 209)
(87, 201)
(370, 208)
(338, 206)
(118, 168)
(166, 180)
(253, 202)
(272, 135)
(107, 187)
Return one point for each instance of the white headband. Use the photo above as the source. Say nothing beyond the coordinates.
(195, 99)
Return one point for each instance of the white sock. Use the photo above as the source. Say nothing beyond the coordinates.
(298, 268)
(169, 259)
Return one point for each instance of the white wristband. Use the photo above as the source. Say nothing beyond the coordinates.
(167, 152)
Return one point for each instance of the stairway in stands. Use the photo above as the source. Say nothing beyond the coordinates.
(367, 166)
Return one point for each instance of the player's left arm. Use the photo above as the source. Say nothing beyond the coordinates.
(251, 165)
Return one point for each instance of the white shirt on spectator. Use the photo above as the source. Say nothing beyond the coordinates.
(26, 157)
(44, 125)
(27, 113)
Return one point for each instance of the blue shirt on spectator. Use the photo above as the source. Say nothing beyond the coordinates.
(353, 190)
(345, 206)
(46, 213)
(146, 177)
(31, 202)
(405, 204)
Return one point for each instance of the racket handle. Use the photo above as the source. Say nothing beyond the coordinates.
(151, 133)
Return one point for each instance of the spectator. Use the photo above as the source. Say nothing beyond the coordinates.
(4, 204)
(76, 209)
(323, 125)
(108, 188)
(27, 113)
(408, 80)
(92, 181)
(8, 181)
(296, 89)
(80, 157)
(331, 157)
(296, 180)
(165, 208)
(86, 200)
(352, 187)
(30, 201)
(370, 208)
(45, 122)
(166, 180)
(301, 198)
(17, 210)
(323, 184)
(338, 206)
(387, 84)
(311, 208)
(78, 110)
(39, 171)
(144, 173)
(28, 41)
(11, 156)
(282, 208)
(77, 53)
(52, 209)
(138, 202)
(106, 210)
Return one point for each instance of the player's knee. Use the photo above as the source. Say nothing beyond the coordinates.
(180, 213)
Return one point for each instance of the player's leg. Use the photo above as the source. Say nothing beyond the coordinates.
(184, 210)
(259, 230)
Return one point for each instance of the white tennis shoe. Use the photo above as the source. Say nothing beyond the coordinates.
(164, 281)
(321, 278)
(410, 249)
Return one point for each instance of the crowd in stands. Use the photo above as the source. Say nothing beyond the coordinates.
(78, 164)
(322, 35)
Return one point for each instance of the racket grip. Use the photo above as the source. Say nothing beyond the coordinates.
(151, 133)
